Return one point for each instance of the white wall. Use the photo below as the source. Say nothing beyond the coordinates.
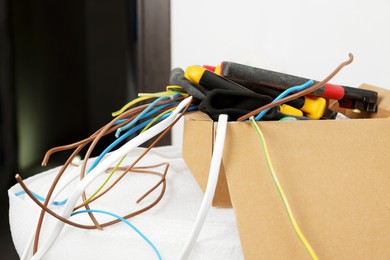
(306, 37)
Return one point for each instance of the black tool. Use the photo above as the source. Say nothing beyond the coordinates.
(348, 97)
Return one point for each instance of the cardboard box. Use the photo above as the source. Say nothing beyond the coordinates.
(336, 176)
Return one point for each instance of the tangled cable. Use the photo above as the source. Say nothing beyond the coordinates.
(153, 119)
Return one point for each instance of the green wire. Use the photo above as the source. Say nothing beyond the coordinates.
(156, 118)
(121, 160)
(281, 192)
(105, 181)
(116, 167)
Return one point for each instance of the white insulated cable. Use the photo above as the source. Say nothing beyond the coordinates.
(101, 167)
(72, 176)
(210, 188)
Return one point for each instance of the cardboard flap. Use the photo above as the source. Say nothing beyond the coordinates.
(197, 153)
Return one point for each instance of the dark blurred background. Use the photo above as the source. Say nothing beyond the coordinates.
(64, 67)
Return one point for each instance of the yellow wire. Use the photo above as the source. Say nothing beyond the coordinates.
(171, 90)
(281, 192)
(142, 96)
(105, 181)
(131, 103)
(156, 118)
(160, 94)
(174, 88)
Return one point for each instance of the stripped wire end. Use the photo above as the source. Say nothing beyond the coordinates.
(118, 132)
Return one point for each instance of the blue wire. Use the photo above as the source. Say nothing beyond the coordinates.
(126, 222)
(120, 139)
(161, 107)
(139, 116)
(119, 121)
(142, 114)
(283, 94)
(57, 203)
(151, 112)
(115, 143)
(108, 149)
(127, 134)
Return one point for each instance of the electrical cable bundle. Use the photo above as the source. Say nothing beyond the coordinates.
(150, 120)
(133, 125)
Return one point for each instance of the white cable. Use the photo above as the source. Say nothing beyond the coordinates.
(60, 187)
(101, 167)
(67, 180)
(210, 188)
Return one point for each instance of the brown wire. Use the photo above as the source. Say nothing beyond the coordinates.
(135, 171)
(99, 136)
(81, 145)
(91, 137)
(88, 139)
(298, 94)
(103, 132)
(46, 202)
(153, 188)
(75, 224)
(139, 158)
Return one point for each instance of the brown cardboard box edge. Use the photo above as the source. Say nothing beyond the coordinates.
(335, 175)
(197, 153)
(199, 132)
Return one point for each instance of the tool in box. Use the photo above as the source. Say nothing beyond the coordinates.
(221, 95)
(348, 97)
(221, 92)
